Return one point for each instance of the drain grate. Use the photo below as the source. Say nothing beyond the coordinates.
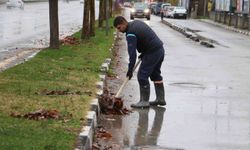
(188, 85)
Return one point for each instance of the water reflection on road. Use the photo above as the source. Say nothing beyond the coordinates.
(138, 128)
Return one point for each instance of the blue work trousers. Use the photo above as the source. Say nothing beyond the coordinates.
(151, 67)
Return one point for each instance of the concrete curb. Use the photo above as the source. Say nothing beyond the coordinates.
(189, 34)
(231, 28)
(85, 138)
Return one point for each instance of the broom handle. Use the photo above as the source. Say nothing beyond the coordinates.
(126, 80)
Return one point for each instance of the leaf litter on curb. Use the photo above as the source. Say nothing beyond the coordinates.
(102, 134)
(41, 114)
(70, 40)
(58, 92)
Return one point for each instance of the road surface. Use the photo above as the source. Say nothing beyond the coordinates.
(28, 29)
(207, 94)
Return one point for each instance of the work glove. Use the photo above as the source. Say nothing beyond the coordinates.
(129, 74)
(140, 56)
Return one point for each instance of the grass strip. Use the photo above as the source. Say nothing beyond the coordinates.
(71, 68)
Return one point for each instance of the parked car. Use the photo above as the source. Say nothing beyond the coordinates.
(151, 7)
(178, 12)
(166, 10)
(140, 10)
(164, 7)
(157, 8)
(15, 3)
(165, 4)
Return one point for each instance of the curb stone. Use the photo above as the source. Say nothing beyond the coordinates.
(188, 34)
(85, 138)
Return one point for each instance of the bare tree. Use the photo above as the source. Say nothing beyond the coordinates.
(101, 13)
(92, 18)
(86, 21)
(53, 19)
(110, 8)
(107, 15)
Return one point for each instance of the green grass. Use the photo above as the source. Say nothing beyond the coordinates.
(71, 67)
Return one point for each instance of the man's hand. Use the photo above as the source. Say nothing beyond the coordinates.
(129, 74)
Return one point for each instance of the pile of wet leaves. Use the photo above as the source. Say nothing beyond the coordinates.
(102, 134)
(70, 41)
(40, 114)
(58, 92)
(110, 105)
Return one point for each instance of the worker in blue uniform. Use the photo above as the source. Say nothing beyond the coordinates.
(142, 38)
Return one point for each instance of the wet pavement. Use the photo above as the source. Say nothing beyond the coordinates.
(220, 36)
(207, 94)
(28, 29)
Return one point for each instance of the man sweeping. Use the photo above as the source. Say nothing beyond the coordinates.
(142, 38)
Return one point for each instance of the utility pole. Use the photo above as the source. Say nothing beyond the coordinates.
(205, 8)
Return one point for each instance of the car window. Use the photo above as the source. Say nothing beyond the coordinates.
(166, 4)
(153, 5)
(140, 5)
(180, 8)
(171, 8)
(158, 4)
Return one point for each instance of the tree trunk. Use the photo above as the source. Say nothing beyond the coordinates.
(104, 9)
(107, 14)
(110, 8)
(53, 19)
(92, 18)
(101, 14)
(86, 27)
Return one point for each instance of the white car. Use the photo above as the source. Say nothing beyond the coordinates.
(15, 3)
(166, 9)
(177, 12)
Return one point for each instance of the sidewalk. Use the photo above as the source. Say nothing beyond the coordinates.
(199, 30)
(245, 32)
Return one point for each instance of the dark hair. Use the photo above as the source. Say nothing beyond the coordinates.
(119, 20)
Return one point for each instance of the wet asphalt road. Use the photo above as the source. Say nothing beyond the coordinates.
(28, 28)
(207, 94)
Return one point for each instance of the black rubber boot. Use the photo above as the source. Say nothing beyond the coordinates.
(144, 97)
(160, 95)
